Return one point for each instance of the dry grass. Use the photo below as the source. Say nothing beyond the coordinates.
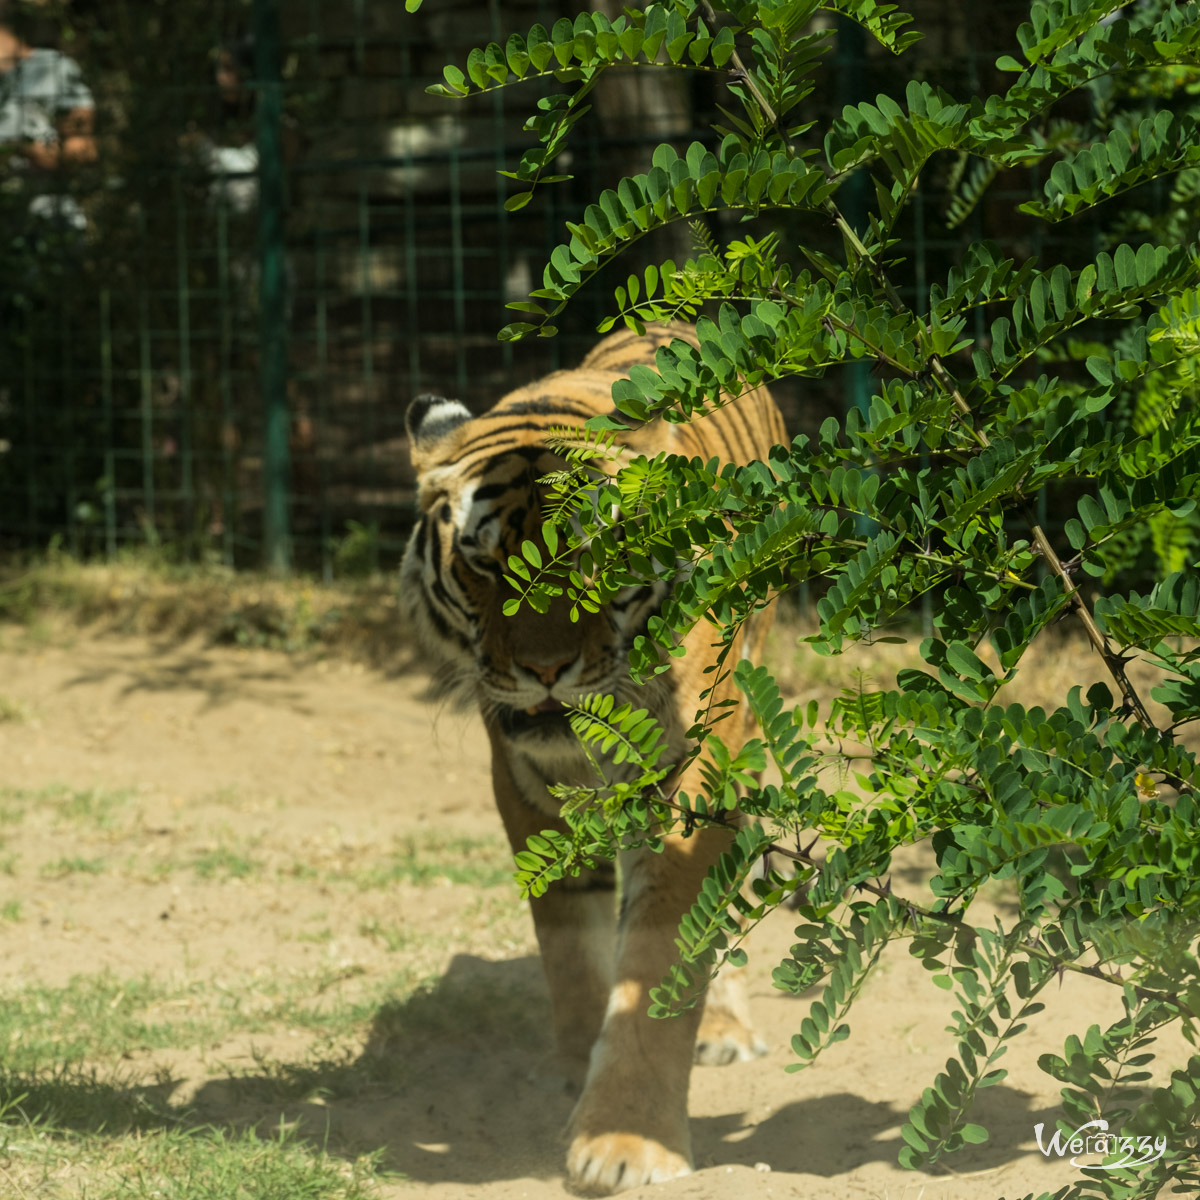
(362, 621)
(142, 594)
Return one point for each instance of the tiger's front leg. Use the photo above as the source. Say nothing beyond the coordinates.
(630, 1126)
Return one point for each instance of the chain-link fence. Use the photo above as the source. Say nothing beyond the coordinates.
(236, 237)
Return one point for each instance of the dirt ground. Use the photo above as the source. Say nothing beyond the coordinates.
(315, 772)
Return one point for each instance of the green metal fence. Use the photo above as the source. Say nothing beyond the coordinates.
(209, 329)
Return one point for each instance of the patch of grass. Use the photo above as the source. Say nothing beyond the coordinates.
(10, 910)
(76, 865)
(170, 1160)
(393, 937)
(317, 937)
(12, 809)
(79, 1119)
(95, 807)
(91, 806)
(97, 1018)
(90, 1018)
(436, 858)
(93, 1018)
(214, 1164)
(13, 711)
(223, 863)
(71, 1097)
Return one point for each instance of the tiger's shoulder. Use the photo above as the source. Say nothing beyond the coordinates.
(628, 348)
(571, 396)
(739, 432)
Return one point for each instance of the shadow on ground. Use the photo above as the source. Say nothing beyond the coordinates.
(457, 1085)
(834, 1135)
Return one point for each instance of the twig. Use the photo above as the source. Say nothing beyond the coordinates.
(745, 77)
(16, 1183)
(1112, 660)
(1096, 972)
(808, 860)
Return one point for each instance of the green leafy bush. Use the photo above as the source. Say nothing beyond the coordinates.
(1088, 811)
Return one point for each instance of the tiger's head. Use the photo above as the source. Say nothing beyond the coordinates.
(479, 498)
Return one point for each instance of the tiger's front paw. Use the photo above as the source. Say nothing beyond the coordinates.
(616, 1162)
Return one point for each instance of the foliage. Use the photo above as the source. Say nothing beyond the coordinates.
(1088, 812)
(1144, 115)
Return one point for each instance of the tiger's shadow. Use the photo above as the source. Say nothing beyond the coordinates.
(457, 1084)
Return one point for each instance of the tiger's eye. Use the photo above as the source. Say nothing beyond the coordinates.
(444, 513)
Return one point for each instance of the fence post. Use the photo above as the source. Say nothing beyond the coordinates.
(854, 197)
(272, 287)
(851, 88)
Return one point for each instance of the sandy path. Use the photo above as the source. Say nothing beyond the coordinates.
(309, 769)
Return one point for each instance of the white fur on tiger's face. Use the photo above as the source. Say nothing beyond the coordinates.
(480, 499)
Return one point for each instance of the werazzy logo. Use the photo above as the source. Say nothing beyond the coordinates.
(1134, 1151)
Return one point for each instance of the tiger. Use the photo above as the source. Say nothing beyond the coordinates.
(481, 493)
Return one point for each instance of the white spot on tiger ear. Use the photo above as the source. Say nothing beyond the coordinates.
(430, 418)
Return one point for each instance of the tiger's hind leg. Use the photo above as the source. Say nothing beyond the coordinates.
(576, 925)
(576, 930)
(726, 1032)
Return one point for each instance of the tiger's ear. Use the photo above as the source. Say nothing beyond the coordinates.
(431, 418)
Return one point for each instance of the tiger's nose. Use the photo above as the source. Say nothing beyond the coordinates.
(548, 673)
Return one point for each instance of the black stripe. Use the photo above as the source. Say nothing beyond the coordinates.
(497, 430)
(491, 491)
(515, 519)
(640, 593)
(456, 570)
(420, 538)
(440, 594)
(535, 462)
(438, 588)
(543, 406)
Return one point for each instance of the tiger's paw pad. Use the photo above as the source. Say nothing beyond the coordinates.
(616, 1162)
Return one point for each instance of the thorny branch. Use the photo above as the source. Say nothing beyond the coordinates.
(1112, 660)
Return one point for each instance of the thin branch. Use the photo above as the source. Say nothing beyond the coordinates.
(1112, 660)
(948, 384)
(1097, 972)
(806, 859)
(744, 76)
